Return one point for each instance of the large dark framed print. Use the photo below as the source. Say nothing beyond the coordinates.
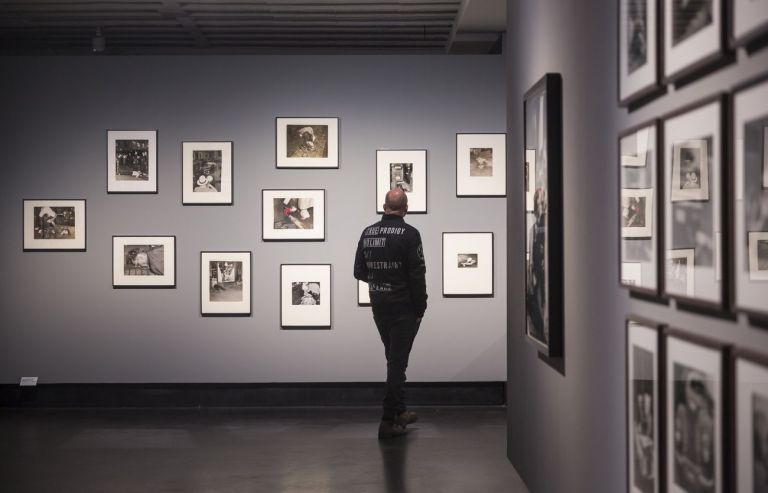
(143, 261)
(695, 191)
(225, 283)
(643, 356)
(305, 296)
(404, 169)
(638, 49)
(696, 376)
(54, 225)
(131, 161)
(751, 422)
(750, 21)
(307, 142)
(542, 112)
(468, 265)
(694, 35)
(206, 173)
(750, 205)
(481, 165)
(639, 208)
(293, 215)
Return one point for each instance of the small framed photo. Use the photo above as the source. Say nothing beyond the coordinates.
(404, 169)
(468, 264)
(225, 283)
(53, 225)
(637, 213)
(530, 178)
(481, 165)
(293, 215)
(307, 142)
(694, 35)
(695, 375)
(638, 49)
(363, 296)
(206, 173)
(758, 256)
(143, 261)
(635, 147)
(643, 406)
(690, 171)
(750, 21)
(631, 274)
(680, 272)
(751, 431)
(132, 161)
(305, 296)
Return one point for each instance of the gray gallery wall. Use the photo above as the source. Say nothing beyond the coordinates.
(63, 322)
(566, 429)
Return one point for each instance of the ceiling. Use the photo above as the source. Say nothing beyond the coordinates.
(251, 26)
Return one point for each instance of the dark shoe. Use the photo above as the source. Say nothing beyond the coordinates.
(407, 417)
(391, 430)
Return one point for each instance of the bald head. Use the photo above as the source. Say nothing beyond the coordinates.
(396, 202)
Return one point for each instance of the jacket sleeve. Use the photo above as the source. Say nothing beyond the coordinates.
(417, 269)
(361, 269)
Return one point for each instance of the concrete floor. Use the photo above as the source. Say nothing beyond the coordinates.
(252, 450)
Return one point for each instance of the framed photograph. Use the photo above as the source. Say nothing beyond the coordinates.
(636, 145)
(481, 165)
(131, 161)
(695, 374)
(694, 35)
(638, 49)
(305, 296)
(206, 173)
(751, 430)
(293, 215)
(363, 296)
(637, 213)
(631, 274)
(404, 169)
(53, 225)
(530, 177)
(468, 264)
(750, 200)
(695, 204)
(307, 142)
(680, 272)
(643, 406)
(542, 113)
(143, 261)
(750, 21)
(225, 283)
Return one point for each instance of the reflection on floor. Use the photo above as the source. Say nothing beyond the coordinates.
(313, 450)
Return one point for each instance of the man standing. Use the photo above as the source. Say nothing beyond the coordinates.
(390, 258)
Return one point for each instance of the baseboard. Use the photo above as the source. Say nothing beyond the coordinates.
(248, 395)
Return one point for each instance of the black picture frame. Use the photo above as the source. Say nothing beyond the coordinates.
(659, 204)
(426, 179)
(264, 211)
(157, 162)
(503, 163)
(49, 250)
(250, 277)
(551, 85)
(755, 358)
(231, 175)
(338, 142)
(489, 294)
(330, 308)
(143, 286)
(657, 31)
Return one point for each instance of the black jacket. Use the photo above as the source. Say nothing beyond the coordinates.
(390, 258)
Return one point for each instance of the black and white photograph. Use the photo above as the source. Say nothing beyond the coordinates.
(632, 274)
(680, 272)
(207, 173)
(689, 17)
(144, 261)
(467, 264)
(542, 113)
(638, 49)
(637, 213)
(225, 283)
(305, 296)
(643, 406)
(293, 215)
(307, 142)
(635, 148)
(694, 414)
(751, 395)
(758, 256)
(750, 20)
(404, 169)
(693, 35)
(131, 161)
(401, 176)
(690, 171)
(481, 165)
(54, 225)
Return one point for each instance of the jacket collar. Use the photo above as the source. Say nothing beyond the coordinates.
(392, 217)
